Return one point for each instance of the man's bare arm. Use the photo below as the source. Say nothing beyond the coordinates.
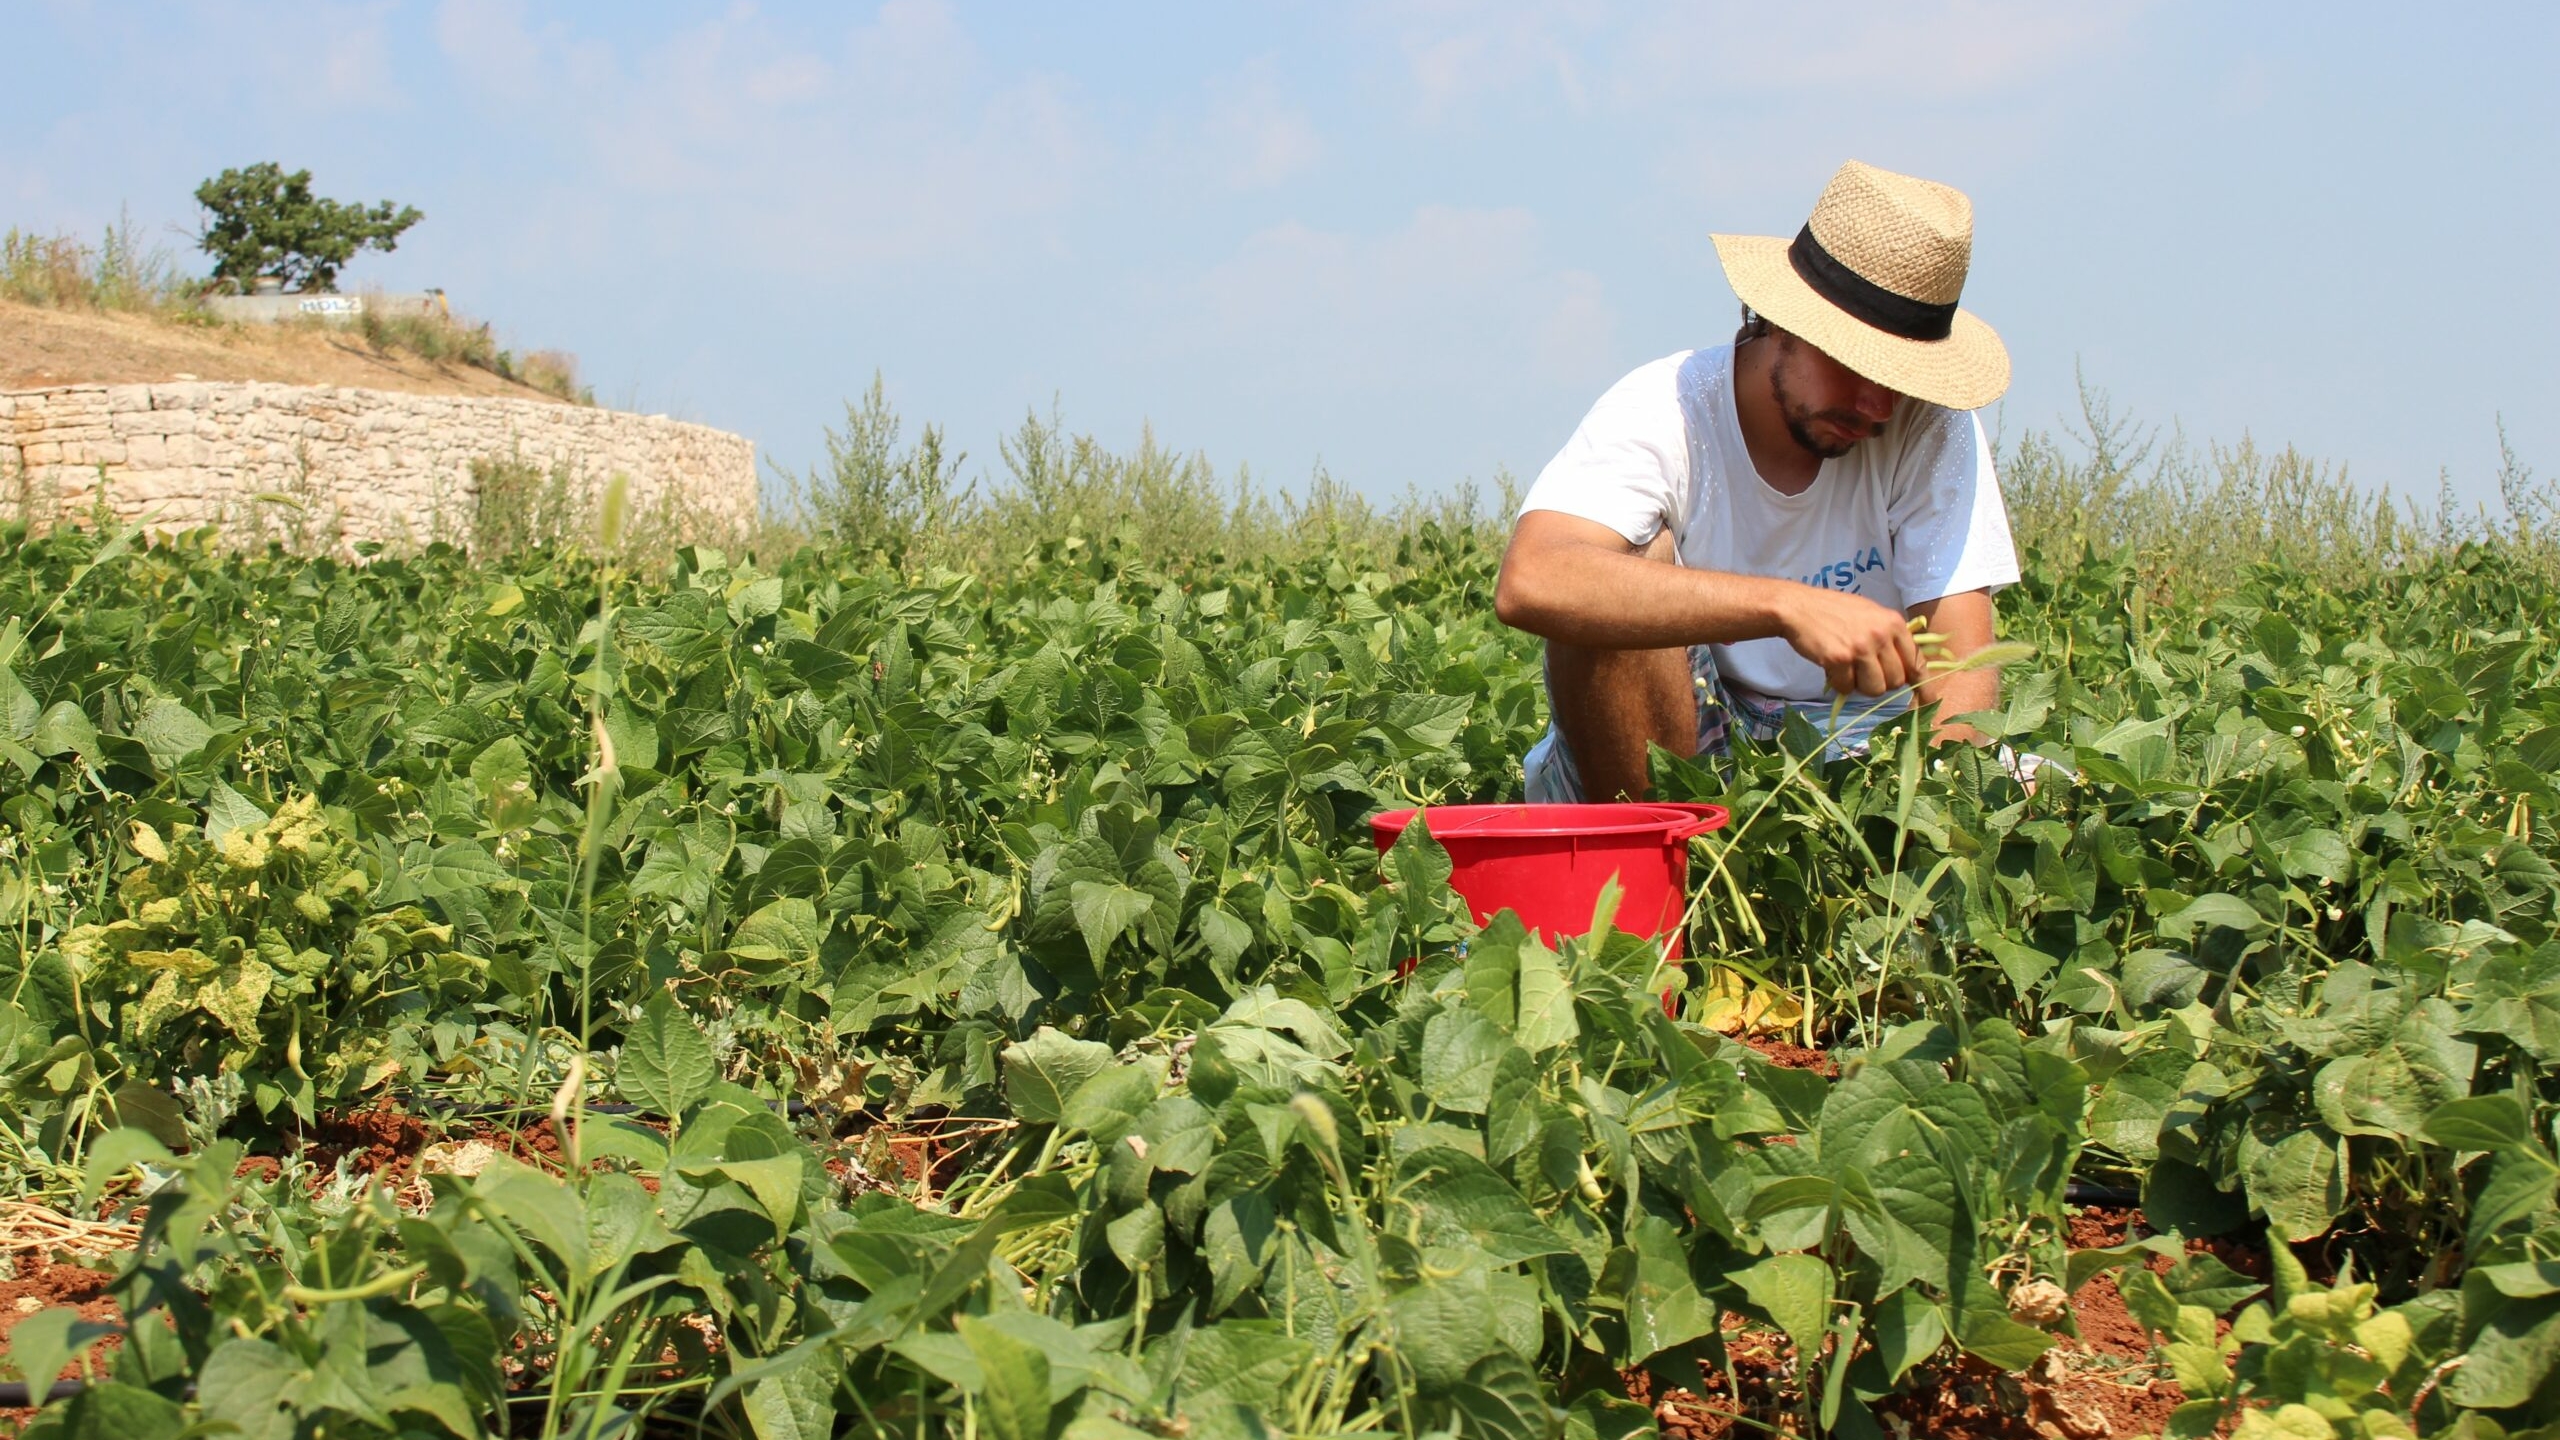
(1576, 581)
(1966, 619)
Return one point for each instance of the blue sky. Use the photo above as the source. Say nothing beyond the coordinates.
(1409, 240)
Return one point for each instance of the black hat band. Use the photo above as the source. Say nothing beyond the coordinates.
(1868, 301)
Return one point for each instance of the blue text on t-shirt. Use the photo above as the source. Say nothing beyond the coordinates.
(1843, 574)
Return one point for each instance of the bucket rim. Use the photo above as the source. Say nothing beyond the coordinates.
(1665, 820)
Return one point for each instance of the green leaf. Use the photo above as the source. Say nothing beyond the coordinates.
(544, 1210)
(141, 1105)
(2127, 1113)
(1105, 912)
(1907, 1327)
(337, 627)
(2519, 1187)
(1418, 866)
(774, 1181)
(756, 599)
(1985, 1330)
(1110, 1103)
(1462, 1202)
(2297, 1183)
(1013, 1398)
(2228, 912)
(1244, 1363)
(117, 1411)
(2085, 1265)
(251, 1384)
(2391, 1091)
(2200, 1279)
(2512, 1358)
(499, 766)
(1442, 1327)
(459, 868)
(1795, 1292)
(169, 732)
(785, 932)
(2480, 1122)
(2316, 855)
(1546, 1000)
(634, 736)
(794, 1401)
(2181, 1199)
(1180, 1135)
(1502, 1398)
(1663, 1304)
(1137, 1237)
(42, 1344)
(112, 1154)
(1227, 936)
(227, 810)
(1041, 1072)
(667, 1063)
(1238, 1240)
(1460, 1052)
(1598, 1415)
(1429, 722)
(64, 728)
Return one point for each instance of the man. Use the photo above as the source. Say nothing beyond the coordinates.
(1740, 532)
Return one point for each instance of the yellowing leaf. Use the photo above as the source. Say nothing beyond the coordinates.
(188, 962)
(1733, 1005)
(236, 1001)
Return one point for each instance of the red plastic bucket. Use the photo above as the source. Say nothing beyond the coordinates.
(1547, 863)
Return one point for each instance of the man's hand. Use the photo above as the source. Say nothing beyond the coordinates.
(1863, 648)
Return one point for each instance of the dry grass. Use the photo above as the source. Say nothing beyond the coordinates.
(118, 273)
(121, 274)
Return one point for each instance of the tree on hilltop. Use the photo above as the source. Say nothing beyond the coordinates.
(264, 222)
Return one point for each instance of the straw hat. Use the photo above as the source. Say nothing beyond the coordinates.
(1872, 281)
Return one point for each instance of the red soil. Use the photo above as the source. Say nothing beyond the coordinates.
(2100, 1386)
(1791, 1057)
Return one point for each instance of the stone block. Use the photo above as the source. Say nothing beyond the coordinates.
(127, 399)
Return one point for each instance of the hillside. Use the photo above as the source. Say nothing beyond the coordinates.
(42, 347)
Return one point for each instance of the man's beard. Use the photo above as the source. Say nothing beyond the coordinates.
(1800, 419)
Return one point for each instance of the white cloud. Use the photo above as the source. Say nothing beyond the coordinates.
(787, 81)
(1459, 51)
(1255, 135)
(748, 143)
(1660, 59)
(355, 58)
(1455, 299)
(1881, 50)
(490, 44)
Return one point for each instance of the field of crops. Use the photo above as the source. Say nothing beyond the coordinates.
(809, 996)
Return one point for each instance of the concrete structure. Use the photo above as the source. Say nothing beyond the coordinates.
(268, 307)
(328, 468)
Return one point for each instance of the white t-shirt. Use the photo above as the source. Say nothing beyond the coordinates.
(1911, 515)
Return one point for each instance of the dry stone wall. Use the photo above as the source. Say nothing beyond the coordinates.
(357, 465)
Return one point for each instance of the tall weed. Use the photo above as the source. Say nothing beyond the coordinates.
(1061, 492)
(2196, 520)
(119, 273)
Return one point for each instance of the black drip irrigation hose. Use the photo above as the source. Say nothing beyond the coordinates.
(18, 1395)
